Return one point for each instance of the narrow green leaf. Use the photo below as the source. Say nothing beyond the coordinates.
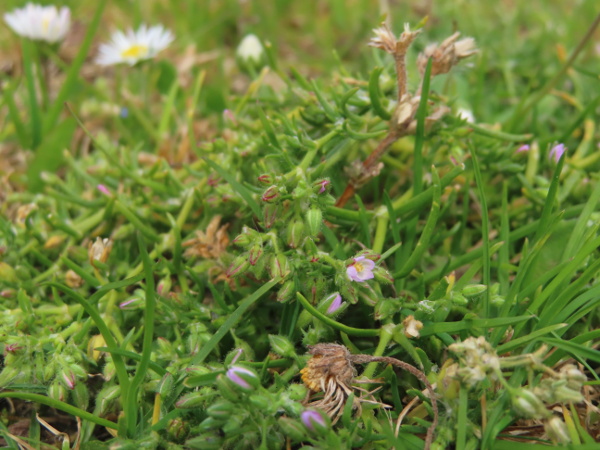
(237, 186)
(231, 321)
(61, 406)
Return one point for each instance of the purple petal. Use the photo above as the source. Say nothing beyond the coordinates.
(234, 375)
(352, 273)
(310, 418)
(335, 304)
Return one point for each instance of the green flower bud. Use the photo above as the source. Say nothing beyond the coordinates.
(292, 429)
(105, 398)
(270, 213)
(282, 346)
(382, 275)
(177, 429)
(279, 266)
(472, 290)
(194, 399)
(221, 410)
(262, 403)
(243, 378)
(286, 292)
(297, 392)
(57, 391)
(255, 252)
(165, 385)
(266, 179)
(238, 266)
(557, 431)
(271, 194)
(234, 427)
(528, 405)
(81, 396)
(7, 273)
(314, 221)
(497, 300)
(458, 299)
(295, 233)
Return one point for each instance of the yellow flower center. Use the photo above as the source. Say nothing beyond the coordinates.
(359, 267)
(135, 51)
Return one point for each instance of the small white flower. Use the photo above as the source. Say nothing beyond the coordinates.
(134, 46)
(250, 49)
(41, 23)
(466, 114)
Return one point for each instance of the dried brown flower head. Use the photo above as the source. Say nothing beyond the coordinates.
(446, 55)
(386, 41)
(99, 250)
(209, 244)
(331, 372)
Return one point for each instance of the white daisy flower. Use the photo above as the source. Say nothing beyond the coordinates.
(134, 46)
(250, 49)
(41, 23)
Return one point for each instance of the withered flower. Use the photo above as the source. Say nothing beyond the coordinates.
(99, 250)
(446, 55)
(412, 327)
(209, 244)
(385, 40)
(331, 371)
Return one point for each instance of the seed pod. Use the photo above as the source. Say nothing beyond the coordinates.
(314, 221)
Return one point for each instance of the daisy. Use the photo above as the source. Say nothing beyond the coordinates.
(250, 49)
(41, 23)
(134, 46)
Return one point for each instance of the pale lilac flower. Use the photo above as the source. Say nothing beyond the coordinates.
(361, 269)
(238, 353)
(40, 23)
(335, 304)
(69, 378)
(323, 185)
(312, 419)
(235, 375)
(130, 304)
(134, 46)
(103, 189)
(523, 148)
(557, 151)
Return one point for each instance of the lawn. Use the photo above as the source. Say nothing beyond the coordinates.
(280, 225)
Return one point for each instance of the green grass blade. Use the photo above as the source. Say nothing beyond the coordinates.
(61, 406)
(237, 186)
(231, 321)
(74, 69)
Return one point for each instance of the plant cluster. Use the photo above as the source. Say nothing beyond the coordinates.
(169, 252)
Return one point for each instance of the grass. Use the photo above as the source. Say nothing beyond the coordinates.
(214, 187)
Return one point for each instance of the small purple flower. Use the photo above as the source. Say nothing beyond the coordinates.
(237, 375)
(557, 151)
(361, 269)
(312, 420)
(103, 189)
(523, 148)
(335, 304)
(124, 112)
(132, 303)
(70, 379)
